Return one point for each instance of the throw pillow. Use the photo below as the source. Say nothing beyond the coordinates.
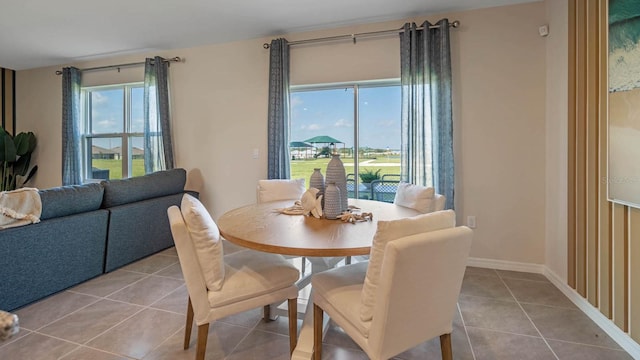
(274, 190)
(416, 197)
(206, 241)
(388, 231)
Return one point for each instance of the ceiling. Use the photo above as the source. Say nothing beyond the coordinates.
(38, 33)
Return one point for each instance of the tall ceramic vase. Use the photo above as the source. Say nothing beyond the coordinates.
(317, 181)
(336, 173)
(332, 208)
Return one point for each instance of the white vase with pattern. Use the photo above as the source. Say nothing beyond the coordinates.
(317, 181)
(332, 207)
(335, 173)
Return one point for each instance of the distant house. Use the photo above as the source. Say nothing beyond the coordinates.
(98, 152)
(137, 153)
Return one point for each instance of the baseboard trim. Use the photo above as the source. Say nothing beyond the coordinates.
(619, 336)
(506, 265)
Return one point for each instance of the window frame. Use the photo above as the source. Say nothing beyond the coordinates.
(355, 85)
(87, 134)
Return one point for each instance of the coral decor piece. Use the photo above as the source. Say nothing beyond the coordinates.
(9, 325)
(353, 218)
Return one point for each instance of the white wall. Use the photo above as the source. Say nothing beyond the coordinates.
(220, 106)
(557, 137)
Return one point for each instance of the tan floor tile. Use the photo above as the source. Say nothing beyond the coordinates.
(176, 301)
(568, 325)
(35, 346)
(537, 292)
(331, 352)
(431, 349)
(337, 337)
(85, 353)
(222, 339)
(493, 345)
(486, 286)
(173, 271)
(140, 334)
(169, 251)
(571, 351)
(152, 264)
(495, 314)
(147, 291)
(471, 270)
(247, 319)
(91, 321)
(52, 308)
(261, 345)
(278, 326)
(108, 283)
(505, 274)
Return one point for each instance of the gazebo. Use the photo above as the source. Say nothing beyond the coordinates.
(300, 146)
(324, 139)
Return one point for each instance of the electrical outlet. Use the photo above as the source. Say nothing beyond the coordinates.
(256, 152)
(471, 221)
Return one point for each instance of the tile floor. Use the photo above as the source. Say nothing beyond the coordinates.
(137, 312)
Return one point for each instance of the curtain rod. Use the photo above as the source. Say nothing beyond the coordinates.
(118, 66)
(454, 24)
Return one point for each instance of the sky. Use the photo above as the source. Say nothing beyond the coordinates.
(331, 112)
(108, 115)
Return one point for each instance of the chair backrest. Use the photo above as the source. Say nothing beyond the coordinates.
(279, 189)
(420, 282)
(190, 265)
(440, 202)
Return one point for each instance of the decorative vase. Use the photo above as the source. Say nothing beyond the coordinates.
(332, 206)
(317, 181)
(336, 173)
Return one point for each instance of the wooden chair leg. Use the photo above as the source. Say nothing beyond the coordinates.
(203, 332)
(266, 313)
(317, 332)
(293, 324)
(445, 347)
(188, 325)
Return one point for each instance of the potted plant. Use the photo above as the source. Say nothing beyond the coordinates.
(15, 158)
(368, 175)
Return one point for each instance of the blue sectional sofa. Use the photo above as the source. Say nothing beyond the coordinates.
(85, 231)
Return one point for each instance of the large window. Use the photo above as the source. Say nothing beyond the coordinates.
(360, 121)
(113, 128)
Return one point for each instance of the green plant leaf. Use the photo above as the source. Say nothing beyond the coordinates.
(21, 166)
(25, 143)
(7, 148)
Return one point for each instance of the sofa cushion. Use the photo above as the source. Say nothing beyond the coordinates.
(69, 200)
(206, 240)
(161, 183)
(391, 230)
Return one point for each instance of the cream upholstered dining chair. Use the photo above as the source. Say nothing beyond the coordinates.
(405, 294)
(220, 285)
(421, 198)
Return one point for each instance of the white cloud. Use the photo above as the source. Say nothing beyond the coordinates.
(98, 98)
(314, 127)
(295, 101)
(343, 123)
(106, 123)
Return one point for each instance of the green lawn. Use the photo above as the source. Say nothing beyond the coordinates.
(304, 168)
(115, 167)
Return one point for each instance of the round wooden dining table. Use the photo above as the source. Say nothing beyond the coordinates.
(262, 227)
